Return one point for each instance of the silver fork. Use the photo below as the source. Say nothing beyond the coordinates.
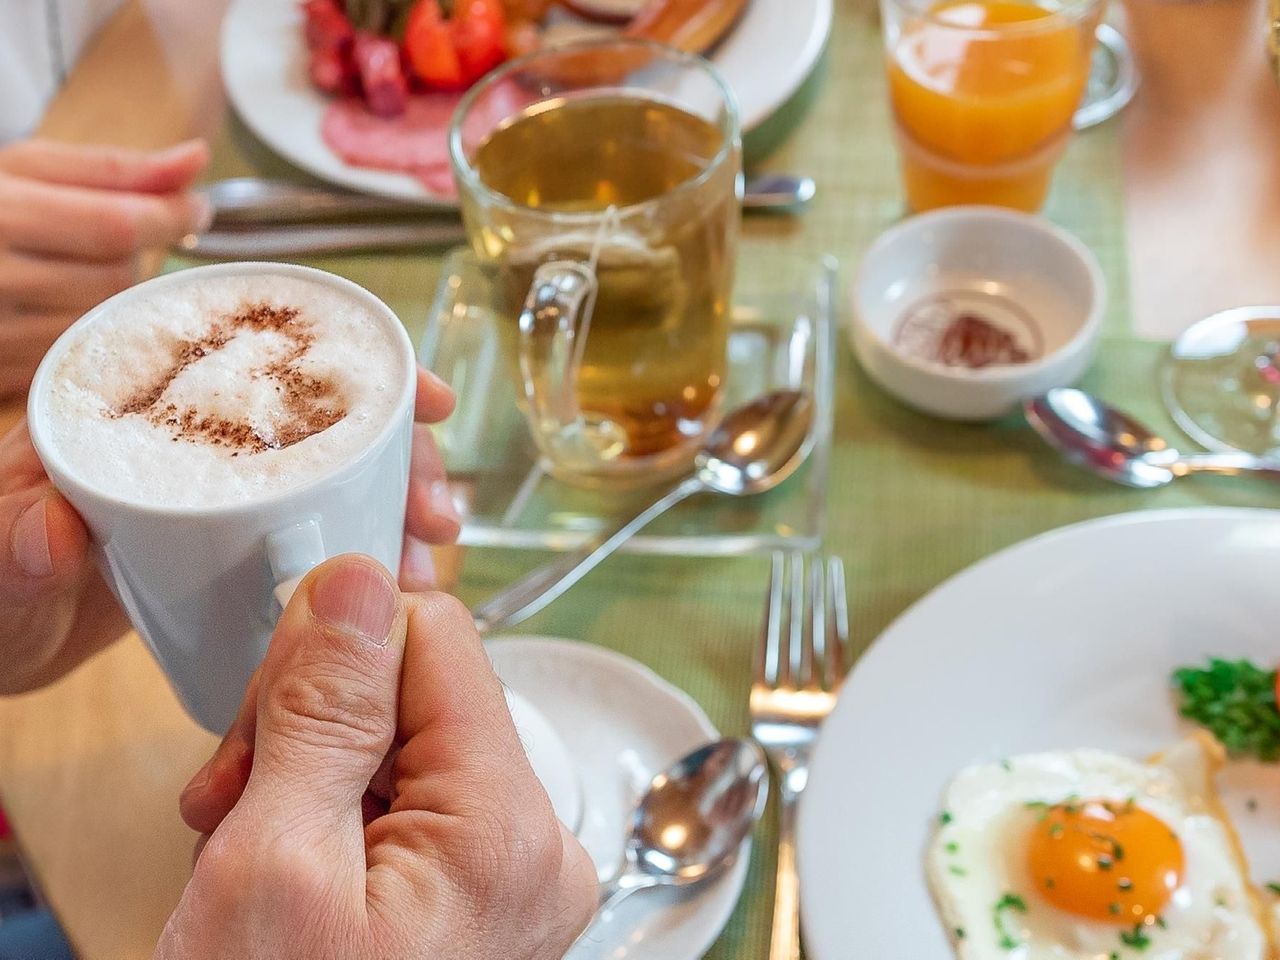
(800, 665)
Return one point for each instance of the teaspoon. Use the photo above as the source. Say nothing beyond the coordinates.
(1112, 444)
(754, 449)
(690, 824)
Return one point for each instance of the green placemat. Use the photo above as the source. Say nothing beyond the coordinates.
(912, 500)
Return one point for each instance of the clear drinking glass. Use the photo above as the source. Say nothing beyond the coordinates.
(601, 191)
(984, 93)
(1221, 380)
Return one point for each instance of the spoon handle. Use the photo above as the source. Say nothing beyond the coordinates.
(536, 590)
(621, 886)
(1226, 463)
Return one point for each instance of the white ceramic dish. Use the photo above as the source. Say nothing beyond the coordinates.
(1025, 276)
(765, 60)
(552, 763)
(1067, 640)
(622, 724)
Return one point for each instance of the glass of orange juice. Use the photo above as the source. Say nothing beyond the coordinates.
(983, 93)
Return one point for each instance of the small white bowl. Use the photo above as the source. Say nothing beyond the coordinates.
(1019, 273)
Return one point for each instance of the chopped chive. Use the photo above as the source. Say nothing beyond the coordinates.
(1010, 901)
(1136, 938)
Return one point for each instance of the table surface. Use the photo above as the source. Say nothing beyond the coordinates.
(1178, 200)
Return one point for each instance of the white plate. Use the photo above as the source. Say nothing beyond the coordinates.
(765, 60)
(1067, 640)
(623, 724)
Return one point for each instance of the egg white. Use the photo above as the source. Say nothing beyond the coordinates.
(978, 855)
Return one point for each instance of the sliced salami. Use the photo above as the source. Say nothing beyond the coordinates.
(415, 140)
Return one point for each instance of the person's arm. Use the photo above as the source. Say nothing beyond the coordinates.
(55, 608)
(373, 799)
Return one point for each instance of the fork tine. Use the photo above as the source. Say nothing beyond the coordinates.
(793, 651)
(837, 624)
(766, 673)
(815, 633)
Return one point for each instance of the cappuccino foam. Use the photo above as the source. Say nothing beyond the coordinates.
(222, 390)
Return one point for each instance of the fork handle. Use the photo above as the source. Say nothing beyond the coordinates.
(784, 942)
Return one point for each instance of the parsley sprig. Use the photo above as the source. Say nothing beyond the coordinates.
(1236, 701)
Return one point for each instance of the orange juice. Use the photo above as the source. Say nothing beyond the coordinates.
(983, 92)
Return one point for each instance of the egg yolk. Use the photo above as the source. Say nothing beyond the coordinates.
(1104, 860)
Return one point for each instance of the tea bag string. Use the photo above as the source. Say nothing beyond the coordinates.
(610, 222)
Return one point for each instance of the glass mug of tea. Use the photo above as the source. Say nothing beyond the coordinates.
(600, 186)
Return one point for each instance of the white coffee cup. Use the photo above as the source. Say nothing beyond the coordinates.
(204, 585)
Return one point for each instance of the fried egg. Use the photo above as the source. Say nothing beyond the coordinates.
(1086, 855)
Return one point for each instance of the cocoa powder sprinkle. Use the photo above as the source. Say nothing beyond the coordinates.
(311, 403)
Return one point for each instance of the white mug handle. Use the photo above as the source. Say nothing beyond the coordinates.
(292, 553)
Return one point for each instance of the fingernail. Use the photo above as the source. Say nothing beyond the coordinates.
(179, 149)
(436, 380)
(441, 499)
(200, 780)
(204, 213)
(417, 566)
(31, 541)
(355, 598)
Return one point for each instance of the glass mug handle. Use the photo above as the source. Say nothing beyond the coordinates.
(553, 329)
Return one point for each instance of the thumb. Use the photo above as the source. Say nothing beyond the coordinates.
(43, 554)
(327, 698)
(43, 546)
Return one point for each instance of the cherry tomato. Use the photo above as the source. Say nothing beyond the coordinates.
(451, 53)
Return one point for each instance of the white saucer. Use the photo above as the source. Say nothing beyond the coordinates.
(622, 724)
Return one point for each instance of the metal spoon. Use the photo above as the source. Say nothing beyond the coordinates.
(690, 824)
(1114, 445)
(754, 449)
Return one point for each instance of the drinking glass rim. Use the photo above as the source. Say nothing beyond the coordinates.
(467, 173)
(1072, 11)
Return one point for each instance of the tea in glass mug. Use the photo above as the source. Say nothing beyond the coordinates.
(600, 187)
